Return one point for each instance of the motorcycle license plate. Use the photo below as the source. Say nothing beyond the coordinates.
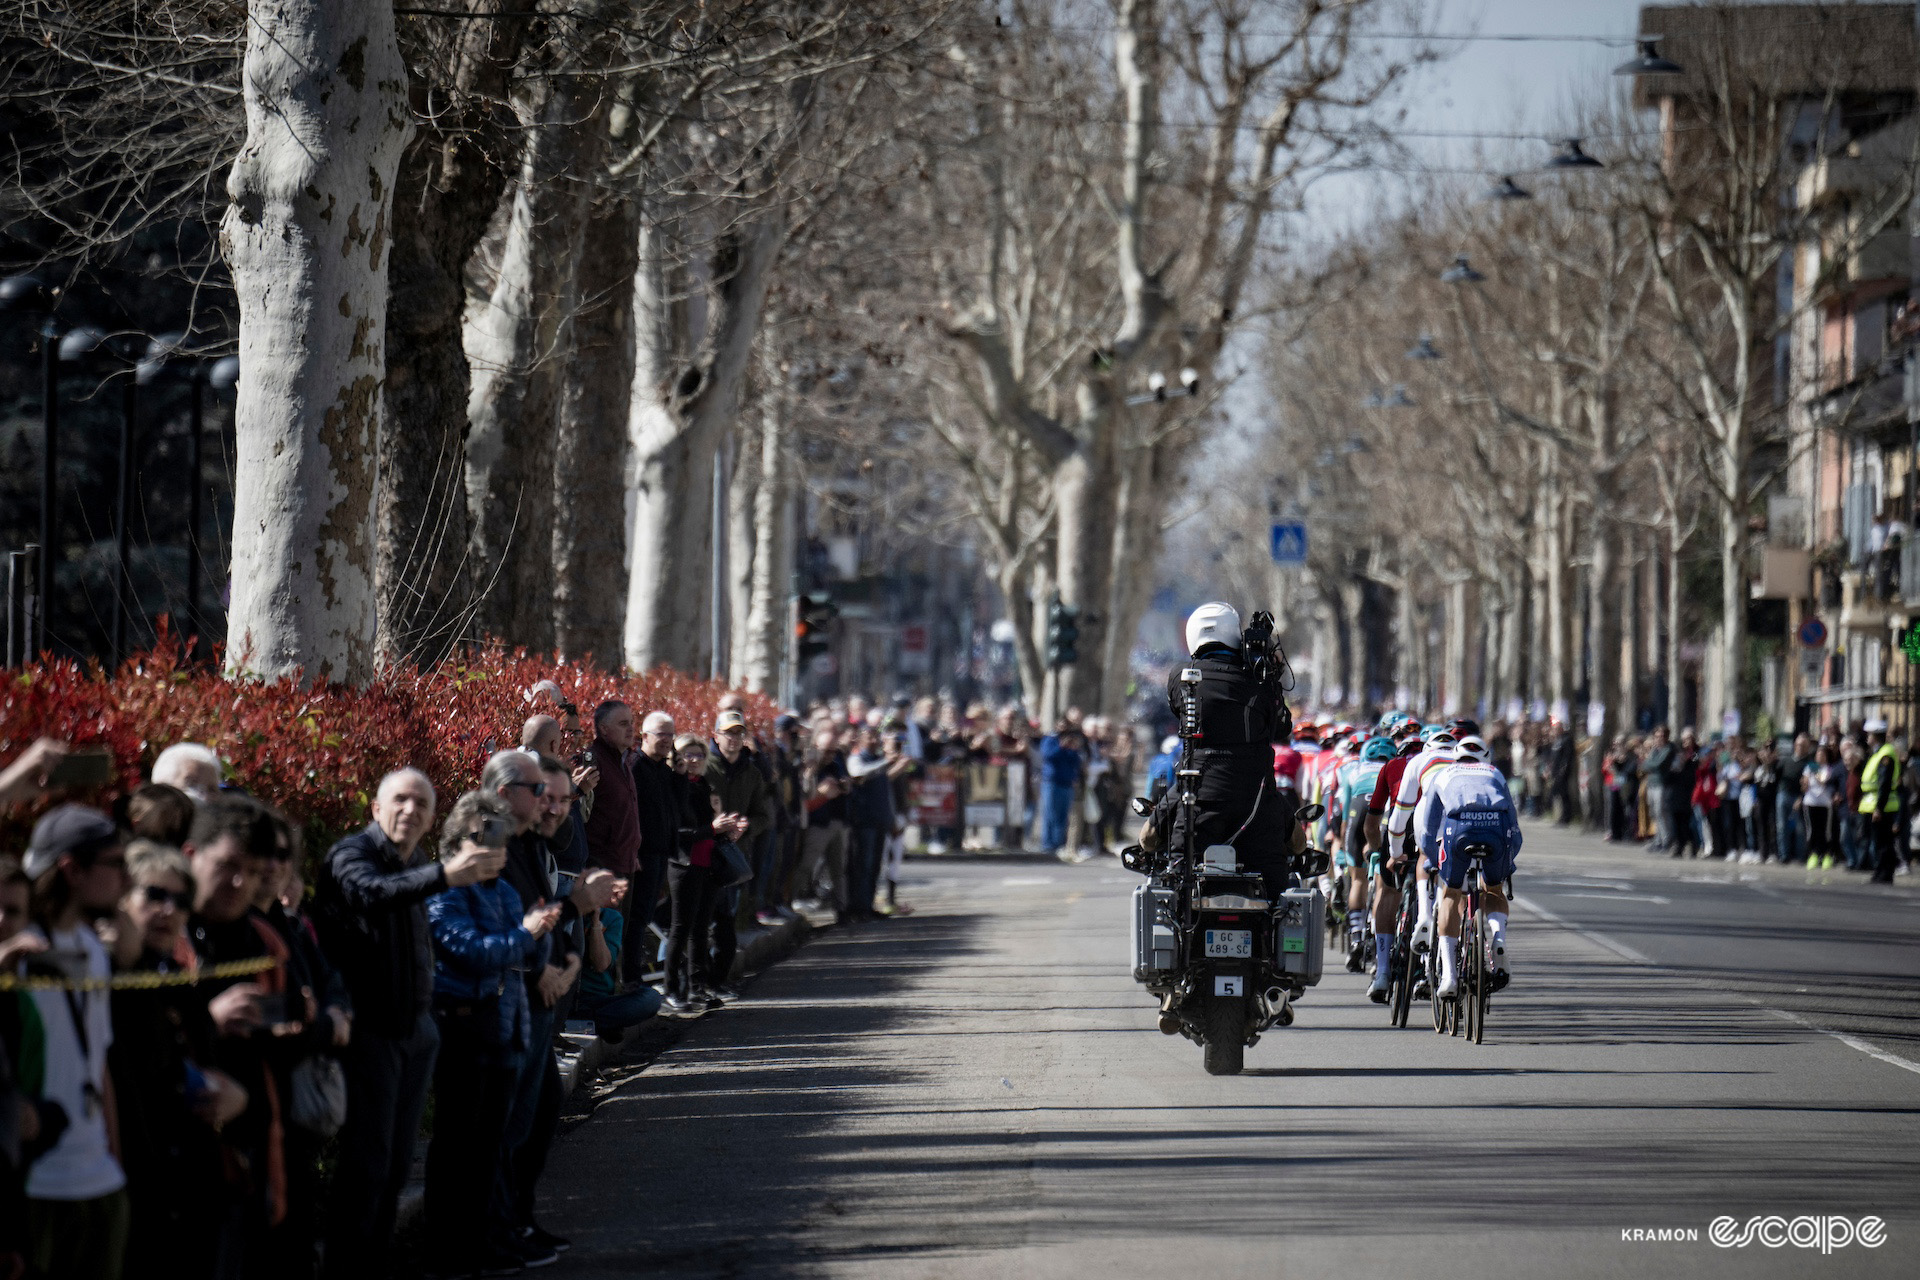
(1234, 944)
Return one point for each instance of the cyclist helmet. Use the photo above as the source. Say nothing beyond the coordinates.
(1378, 749)
(1408, 728)
(1439, 736)
(1464, 727)
(1473, 747)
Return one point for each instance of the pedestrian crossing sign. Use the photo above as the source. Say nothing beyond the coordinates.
(1289, 544)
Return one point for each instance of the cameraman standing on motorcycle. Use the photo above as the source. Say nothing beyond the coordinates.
(1242, 714)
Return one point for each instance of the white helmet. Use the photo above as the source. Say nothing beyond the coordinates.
(1215, 623)
(1473, 748)
(1169, 744)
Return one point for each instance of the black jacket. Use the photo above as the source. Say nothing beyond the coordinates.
(656, 787)
(1240, 720)
(371, 911)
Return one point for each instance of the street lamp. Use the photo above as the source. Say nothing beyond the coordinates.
(1507, 189)
(1157, 387)
(30, 295)
(167, 354)
(1649, 62)
(1570, 156)
(89, 347)
(1461, 272)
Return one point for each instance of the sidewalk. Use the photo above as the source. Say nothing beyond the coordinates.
(1546, 840)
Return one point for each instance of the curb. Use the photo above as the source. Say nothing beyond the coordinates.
(581, 1055)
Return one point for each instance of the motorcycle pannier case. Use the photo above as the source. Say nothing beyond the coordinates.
(1153, 939)
(1300, 935)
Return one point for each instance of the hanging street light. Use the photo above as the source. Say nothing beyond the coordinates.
(1649, 62)
(1399, 399)
(1570, 156)
(1157, 387)
(1461, 272)
(1507, 189)
(1424, 350)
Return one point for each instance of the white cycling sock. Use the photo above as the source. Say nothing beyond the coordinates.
(1497, 925)
(1449, 959)
(1426, 903)
(1382, 951)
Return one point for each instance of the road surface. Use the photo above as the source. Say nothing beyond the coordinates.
(980, 1090)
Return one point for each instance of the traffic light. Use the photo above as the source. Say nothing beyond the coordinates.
(812, 628)
(1063, 633)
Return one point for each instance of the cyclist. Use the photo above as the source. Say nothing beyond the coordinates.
(1353, 784)
(1388, 871)
(1467, 802)
(1439, 751)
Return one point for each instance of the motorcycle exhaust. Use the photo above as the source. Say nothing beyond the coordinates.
(1169, 1025)
(1279, 1010)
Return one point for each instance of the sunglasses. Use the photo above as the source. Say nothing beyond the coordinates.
(538, 788)
(156, 896)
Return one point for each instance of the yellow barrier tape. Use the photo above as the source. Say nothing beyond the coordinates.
(145, 980)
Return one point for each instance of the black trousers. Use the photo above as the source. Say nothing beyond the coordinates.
(726, 935)
(636, 944)
(692, 891)
(387, 1082)
(472, 1094)
(1886, 846)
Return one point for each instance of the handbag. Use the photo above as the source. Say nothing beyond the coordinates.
(730, 865)
(319, 1103)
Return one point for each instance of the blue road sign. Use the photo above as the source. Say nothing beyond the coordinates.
(1289, 544)
(1813, 633)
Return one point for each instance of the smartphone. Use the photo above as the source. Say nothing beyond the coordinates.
(493, 831)
(82, 769)
(273, 1009)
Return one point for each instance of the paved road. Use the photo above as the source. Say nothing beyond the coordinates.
(979, 1090)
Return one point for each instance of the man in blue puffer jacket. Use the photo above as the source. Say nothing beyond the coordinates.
(483, 941)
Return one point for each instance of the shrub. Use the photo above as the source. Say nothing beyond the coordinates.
(319, 752)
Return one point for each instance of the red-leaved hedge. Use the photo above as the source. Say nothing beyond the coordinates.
(318, 753)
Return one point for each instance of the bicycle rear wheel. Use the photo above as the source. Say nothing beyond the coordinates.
(1402, 991)
(1432, 966)
(1473, 978)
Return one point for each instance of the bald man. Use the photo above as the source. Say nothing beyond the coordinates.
(541, 735)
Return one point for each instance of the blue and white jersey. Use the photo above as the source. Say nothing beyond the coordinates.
(1465, 786)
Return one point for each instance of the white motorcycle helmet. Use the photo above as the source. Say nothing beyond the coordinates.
(1215, 623)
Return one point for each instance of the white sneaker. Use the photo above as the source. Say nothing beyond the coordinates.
(1423, 937)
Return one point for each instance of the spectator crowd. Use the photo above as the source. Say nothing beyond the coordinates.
(218, 1050)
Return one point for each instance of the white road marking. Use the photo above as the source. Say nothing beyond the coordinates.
(1590, 884)
(1622, 897)
(1620, 949)
(1852, 1042)
(1626, 952)
(1028, 880)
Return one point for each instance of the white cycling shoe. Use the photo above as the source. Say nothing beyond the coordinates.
(1423, 937)
(1499, 974)
(1447, 987)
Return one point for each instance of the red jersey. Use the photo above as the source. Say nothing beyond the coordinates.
(1387, 785)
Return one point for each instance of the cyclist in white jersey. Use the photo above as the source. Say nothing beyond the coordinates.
(1440, 751)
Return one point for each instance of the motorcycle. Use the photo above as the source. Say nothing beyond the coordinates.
(1225, 962)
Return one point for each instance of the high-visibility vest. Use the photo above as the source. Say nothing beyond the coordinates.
(1871, 782)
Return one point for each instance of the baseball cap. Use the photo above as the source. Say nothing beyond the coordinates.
(67, 828)
(729, 720)
(785, 721)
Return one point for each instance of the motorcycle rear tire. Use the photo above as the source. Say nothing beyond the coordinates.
(1226, 1048)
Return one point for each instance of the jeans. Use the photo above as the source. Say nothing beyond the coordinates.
(863, 868)
(1788, 840)
(521, 1142)
(692, 891)
(1058, 811)
(635, 941)
(766, 866)
(1662, 817)
(615, 1014)
(387, 1083)
(823, 846)
(1853, 841)
(472, 1097)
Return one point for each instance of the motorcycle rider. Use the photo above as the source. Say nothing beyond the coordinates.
(1241, 717)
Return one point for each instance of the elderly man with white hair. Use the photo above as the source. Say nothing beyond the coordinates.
(192, 767)
(370, 904)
